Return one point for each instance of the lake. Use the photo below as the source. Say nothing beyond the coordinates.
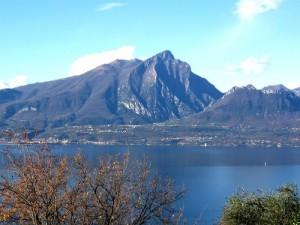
(210, 175)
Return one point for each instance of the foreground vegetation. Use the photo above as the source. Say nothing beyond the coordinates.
(39, 188)
(279, 208)
(42, 189)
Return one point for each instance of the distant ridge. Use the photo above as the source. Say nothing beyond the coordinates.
(273, 105)
(273, 89)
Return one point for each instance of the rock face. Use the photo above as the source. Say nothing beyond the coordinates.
(297, 91)
(122, 92)
(273, 89)
(248, 105)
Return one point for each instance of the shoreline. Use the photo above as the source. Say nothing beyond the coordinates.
(154, 145)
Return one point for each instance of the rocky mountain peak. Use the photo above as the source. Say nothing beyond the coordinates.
(275, 89)
(236, 88)
(250, 87)
(165, 55)
(297, 91)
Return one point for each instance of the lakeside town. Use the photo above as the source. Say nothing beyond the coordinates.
(158, 134)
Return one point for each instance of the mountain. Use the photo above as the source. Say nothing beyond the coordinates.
(297, 91)
(273, 105)
(273, 89)
(122, 92)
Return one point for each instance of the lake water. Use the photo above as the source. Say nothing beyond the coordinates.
(210, 175)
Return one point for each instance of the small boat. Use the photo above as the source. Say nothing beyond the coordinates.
(265, 163)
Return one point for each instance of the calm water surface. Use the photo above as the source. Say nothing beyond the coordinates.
(210, 175)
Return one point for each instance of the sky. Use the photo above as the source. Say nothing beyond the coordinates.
(229, 42)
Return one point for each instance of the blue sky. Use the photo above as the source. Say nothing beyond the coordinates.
(229, 42)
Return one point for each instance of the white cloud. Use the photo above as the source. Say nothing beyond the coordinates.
(89, 62)
(247, 9)
(3, 85)
(250, 65)
(16, 81)
(293, 85)
(110, 6)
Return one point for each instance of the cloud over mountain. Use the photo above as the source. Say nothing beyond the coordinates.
(250, 65)
(14, 82)
(89, 62)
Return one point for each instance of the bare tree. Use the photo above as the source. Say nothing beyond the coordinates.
(39, 188)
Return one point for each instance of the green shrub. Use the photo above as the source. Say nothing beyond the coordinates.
(279, 208)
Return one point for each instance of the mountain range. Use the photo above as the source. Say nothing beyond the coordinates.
(155, 90)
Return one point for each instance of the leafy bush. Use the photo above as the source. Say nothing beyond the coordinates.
(279, 208)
